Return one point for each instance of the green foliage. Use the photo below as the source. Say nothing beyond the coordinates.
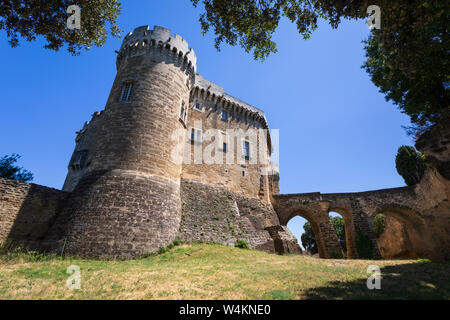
(177, 241)
(410, 164)
(379, 223)
(30, 19)
(364, 246)
(241, 244)
(162, 250)
(308, 239)
(9, 171)
(407, 58)
(339, 227)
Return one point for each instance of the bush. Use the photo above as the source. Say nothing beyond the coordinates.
(177, 241)
(410, 164)
(241, 244)
(162, 250)
(379, 224)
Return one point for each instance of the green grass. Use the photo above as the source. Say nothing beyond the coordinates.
(210, 271)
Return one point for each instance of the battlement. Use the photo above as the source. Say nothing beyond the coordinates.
(143, 37)
(211, 91)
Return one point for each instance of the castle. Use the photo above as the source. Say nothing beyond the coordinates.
(173, 155)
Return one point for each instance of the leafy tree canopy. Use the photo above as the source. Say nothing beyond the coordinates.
(10, 171)
(407, 58)
(32, 18)
(339, 227)
(410, 164)
(309, 240)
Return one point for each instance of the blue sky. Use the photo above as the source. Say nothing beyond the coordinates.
(337, 132)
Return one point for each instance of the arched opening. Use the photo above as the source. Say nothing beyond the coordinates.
(400, 234)
(337, 220)
(346, 235)
(307, 232)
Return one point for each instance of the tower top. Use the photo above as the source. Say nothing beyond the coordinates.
(159, 36)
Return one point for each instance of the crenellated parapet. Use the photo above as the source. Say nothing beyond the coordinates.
(158, 42)
(87, 124)
(210, 91)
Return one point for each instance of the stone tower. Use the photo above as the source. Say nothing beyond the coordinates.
(128, 199)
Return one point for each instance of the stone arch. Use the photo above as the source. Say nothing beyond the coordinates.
(410, 230)
(350, 232)
(315, 225)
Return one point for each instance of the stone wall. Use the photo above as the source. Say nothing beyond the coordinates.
(211, 213)
(27, 210)
(83, 144)
(423, 209)
(435, 144)
(229, 168)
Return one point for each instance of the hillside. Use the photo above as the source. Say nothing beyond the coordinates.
(207, 271)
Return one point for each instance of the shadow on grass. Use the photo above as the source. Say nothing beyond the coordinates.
(419, 280)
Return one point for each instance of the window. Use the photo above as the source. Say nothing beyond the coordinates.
(126, 92)
(243, 173)
(79, 160)
(183, 113)
(224, 147)
(224, 116)
(246, 150)
(198, 106)
(196, 135)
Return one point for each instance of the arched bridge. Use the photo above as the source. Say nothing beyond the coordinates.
(358, 210)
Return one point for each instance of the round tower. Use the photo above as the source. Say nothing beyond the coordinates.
(128, 200)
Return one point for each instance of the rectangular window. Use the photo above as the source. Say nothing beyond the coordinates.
(79, 160)
(224, 116)
(198, 106)
(126, 92)
(196, 135)
(224, 147)
(246, 150)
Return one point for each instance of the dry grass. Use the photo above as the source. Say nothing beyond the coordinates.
(203, 271)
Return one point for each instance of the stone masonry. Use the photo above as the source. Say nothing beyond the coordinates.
(174, 155)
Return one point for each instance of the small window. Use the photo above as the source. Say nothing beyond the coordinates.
(246, 150)
(224, 147)
(243, 173)
(196, 135)
(198, 106)
(126, 92)
(183, 113)
(79, 160)
(224, 116)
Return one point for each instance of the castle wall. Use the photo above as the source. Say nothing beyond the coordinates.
(27, 210)
(128, 200)
(78, 161)
(212, 213)
(240, 175)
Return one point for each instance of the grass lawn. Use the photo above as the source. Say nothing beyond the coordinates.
(207, 271)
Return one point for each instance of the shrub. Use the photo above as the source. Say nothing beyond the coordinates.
(177, 241)
(379, 224)
(410, 164)
(241, 244)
